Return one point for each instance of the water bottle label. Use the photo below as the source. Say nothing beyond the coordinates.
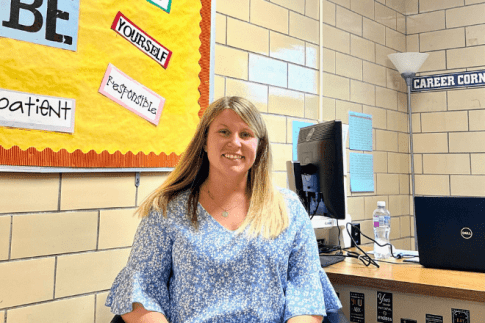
(376, 224)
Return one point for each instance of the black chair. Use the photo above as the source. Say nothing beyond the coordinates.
(335, 317)
(117, 319)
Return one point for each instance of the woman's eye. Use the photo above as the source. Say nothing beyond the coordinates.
(246, 135)
(224, 131)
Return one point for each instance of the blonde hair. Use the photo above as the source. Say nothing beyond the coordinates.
(267, 214)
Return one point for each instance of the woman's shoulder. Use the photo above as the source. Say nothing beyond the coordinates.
(288, 195)
(180, 199)
(286, 192)
(176, 209)
(293, 202)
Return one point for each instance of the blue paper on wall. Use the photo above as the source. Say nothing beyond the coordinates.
(361, 172)
(360, 131)
(51, 23)
(297, 125)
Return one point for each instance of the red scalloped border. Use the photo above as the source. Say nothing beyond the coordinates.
(49, 158)
(62, 158)
(205, 49)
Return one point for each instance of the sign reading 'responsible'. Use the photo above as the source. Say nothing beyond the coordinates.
(132, 95)
(32, 111)
(446, 81)
(141, 40)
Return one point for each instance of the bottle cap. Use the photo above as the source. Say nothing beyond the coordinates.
(381, 203)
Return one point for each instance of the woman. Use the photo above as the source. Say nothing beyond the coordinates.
(218, 243)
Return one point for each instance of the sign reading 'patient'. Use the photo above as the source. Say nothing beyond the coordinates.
(132, 95)
(141, 40)
(32, 111)
(46, 22)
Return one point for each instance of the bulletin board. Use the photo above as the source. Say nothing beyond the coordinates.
(101, 83)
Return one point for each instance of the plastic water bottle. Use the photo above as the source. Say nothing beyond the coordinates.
(382, 228)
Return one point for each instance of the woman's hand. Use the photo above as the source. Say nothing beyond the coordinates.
(306, 319)
(140, 314)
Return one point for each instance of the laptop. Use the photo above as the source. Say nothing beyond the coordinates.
(451, 232)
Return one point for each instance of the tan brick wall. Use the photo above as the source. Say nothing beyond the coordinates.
(449, 124)
(357, 76)
(78, 309)
(53, 233)
(63, 239)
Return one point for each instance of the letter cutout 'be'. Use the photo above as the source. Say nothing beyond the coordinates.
(37, 21)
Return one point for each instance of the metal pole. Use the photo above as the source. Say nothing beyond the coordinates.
(409, 78)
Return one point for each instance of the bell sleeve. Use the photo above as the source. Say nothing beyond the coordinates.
(308, 291)
(145, 278)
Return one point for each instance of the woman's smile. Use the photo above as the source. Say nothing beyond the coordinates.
(233, 156)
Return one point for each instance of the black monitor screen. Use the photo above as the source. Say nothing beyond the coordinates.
(320, 154)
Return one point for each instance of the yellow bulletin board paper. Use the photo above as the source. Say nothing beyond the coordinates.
(105, 133)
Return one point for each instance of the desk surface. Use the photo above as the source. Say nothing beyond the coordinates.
(410, 278)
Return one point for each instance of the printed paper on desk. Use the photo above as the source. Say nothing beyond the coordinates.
(132, 95)
(33, 111)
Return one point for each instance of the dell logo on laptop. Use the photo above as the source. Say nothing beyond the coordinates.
(466, 233)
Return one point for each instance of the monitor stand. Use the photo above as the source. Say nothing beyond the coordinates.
(330, 232)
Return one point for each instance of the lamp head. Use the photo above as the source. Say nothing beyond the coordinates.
(408, 63)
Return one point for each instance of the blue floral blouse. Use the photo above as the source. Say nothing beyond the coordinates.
(212, 274)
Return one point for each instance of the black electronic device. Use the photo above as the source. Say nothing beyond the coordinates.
(451, 232)
(319, 172)
(328, 260)
(355, 234)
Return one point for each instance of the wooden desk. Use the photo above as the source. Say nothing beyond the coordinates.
(416, 291)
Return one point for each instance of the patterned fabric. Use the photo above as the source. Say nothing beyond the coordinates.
(215, 275)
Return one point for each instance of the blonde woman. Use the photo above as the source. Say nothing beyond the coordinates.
(217, 242)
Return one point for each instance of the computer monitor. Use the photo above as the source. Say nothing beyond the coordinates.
(319, 172)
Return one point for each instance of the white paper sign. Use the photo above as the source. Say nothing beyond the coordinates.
(33, 111)
(132, 95)
(144, 42)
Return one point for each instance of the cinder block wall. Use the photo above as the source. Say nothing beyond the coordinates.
(450, 125)
(63, 237)
(269, 51)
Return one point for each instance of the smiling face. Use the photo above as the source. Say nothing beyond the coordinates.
(231, 146)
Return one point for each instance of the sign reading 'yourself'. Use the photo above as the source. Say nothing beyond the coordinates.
(141, 40)
(446, 81)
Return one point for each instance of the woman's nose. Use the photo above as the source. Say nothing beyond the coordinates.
(235, 140)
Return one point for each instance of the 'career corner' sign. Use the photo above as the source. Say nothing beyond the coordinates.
(446, 81)
(141, 40)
